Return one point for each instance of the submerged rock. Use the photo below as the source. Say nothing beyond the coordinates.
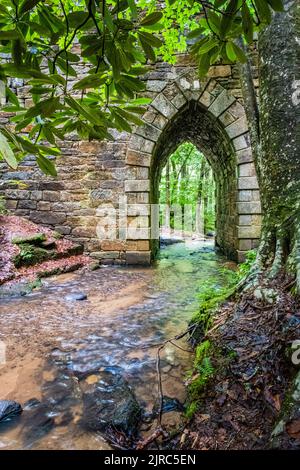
(76, 296)
(9, 409)
(110, 403)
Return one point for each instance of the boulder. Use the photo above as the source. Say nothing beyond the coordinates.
(110, 403)
(9, 409)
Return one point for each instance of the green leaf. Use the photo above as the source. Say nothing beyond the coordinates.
(22, 124)
(195, 33)
(230, 51)
(129, 116)
(263, 11)
(46, 165)
(212, 42)
(6, 152)
(152, 18)
(149, 52)
(247, 22)
(204, 64)
(44, 108)
(48, 134)
(150, 39)
(67, 68)
(239, 53)
(76, 18)
(84, 111)
(90, 81)
(133, 9)
(122, 124)
(276, 5)
(28, 5)
(227, 20)
(12, 98)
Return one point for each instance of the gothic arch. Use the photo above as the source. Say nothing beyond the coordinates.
(214, 120)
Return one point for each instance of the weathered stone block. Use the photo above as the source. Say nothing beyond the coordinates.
(113, 245)
(247, 182)
(179, 100)
(249, 232)
(206, 99)
(137, 185)
(134, 157)
(140, 221)
(245, 220)
(156, 85)
(164, 106)
(247, 169)
(245, 245)
(106, 254)
(149, 132)
(43, 206)
(245, 195)
(52, 196)
(141, 144)
(241, 142)
(237, 128)
(134, 233)
(249, 207)
(138, 209)
(244, 156)
(48, 218)
(219, 71)
(221, 103)
(138, 257)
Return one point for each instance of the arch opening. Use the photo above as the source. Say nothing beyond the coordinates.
(187, 195)
(194, 124)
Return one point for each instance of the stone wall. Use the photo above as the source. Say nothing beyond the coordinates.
(95, 175)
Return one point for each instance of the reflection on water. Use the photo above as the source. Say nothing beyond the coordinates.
(104, 334)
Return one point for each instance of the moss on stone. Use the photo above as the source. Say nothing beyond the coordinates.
(35, 239)
(30, 255)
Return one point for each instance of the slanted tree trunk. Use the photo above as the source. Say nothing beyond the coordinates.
(274, 141)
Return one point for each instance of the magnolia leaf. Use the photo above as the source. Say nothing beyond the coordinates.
(6, 152)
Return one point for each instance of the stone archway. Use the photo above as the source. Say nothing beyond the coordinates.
(206, 114)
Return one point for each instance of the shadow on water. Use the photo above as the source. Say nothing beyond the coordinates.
(101, 374)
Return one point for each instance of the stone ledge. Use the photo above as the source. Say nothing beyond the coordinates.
(138, 257)
(136, 158)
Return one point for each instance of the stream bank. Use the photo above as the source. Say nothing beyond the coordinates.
(63, 354)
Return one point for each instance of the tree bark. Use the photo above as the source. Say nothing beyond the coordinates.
(275, 144)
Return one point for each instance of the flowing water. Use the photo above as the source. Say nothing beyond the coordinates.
(58, 350)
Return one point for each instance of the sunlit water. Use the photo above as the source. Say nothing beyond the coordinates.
(86, 338)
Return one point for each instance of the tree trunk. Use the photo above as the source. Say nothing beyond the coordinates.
(199, 212)
(276, 156)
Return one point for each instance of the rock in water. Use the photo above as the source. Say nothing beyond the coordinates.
(76, 296)
(9, 409)
(110, 403)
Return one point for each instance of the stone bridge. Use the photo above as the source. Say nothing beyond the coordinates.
(101, 183)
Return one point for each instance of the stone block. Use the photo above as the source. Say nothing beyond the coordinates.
(245, 195)
(237, 128)
(52, 196)
(241, 142)
(138, 209)
(156, 85)
(179, 100)
(249, 207)
(137, 185)
(219, 71)
(106, 254)
(149, 132)
(248, 182)
(113, 245)
(133, 157)
(43, 206)
(164, 106)
(48, 218)
(252, 231)
(244, 156)
(134, 233)
(221, 103)
(245, 245)
(140, 221)
(247, 169)
(206, 99)
(138, 142)
(138, 257)
(245, 220)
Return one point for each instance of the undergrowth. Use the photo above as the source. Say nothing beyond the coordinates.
(206, 354)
